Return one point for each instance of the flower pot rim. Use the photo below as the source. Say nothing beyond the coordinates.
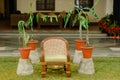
(33, 41)
(90, 46)
(79, 40)
(24, 48)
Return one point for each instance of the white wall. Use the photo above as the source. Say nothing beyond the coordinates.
(24, 5)
(103, 7)
(64, 5)
(100, 10)
(60, 5)
(109, 7)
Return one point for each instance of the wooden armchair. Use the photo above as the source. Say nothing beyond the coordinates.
(55, 52)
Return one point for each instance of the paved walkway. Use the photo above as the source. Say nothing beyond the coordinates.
(103, 45)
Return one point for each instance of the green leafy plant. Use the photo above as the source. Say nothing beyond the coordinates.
(83, 18)
(49, 17)
(43, 16)
(22, 33)
(108, 20)
(109, 25)
(30, 20)
(22, 25)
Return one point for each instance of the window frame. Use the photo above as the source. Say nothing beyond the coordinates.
(45, 5)
(84, 3)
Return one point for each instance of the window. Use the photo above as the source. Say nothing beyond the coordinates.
(84, 3)
(45, 5)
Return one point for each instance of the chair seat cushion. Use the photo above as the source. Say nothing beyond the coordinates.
(54, 58)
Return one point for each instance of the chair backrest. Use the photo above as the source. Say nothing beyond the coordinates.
(54, 46)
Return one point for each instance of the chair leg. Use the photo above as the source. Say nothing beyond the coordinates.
(64, 67)
(43, 70)
(68, 72)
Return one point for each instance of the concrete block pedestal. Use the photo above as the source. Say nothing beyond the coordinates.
(24, 67)
(34, 56)
(77, 56)
(86, 66)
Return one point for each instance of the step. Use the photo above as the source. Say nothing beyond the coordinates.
(65, 34)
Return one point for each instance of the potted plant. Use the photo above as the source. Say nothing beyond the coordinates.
(78, 15)
(83, 18)
(32, 43)
(27, 39)
(24, 50)
(24, 65)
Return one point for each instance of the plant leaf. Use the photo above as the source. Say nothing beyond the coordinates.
(94, 13)
(75, 19)
(67, 17)
(51, 18)
(26, 39)
(56, 18)
(37, 18)
(21, 24)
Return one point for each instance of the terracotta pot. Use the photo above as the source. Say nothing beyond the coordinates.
(24, 52)
(32, 44)
(87, 51)
(79, 44)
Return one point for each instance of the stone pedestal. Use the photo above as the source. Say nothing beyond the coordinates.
(86, 66)
(77, 56)
(34, 56)
(24, 67)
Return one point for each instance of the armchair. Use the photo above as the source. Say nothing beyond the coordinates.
(55, 51)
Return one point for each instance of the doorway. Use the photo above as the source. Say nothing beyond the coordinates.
(10, 6)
